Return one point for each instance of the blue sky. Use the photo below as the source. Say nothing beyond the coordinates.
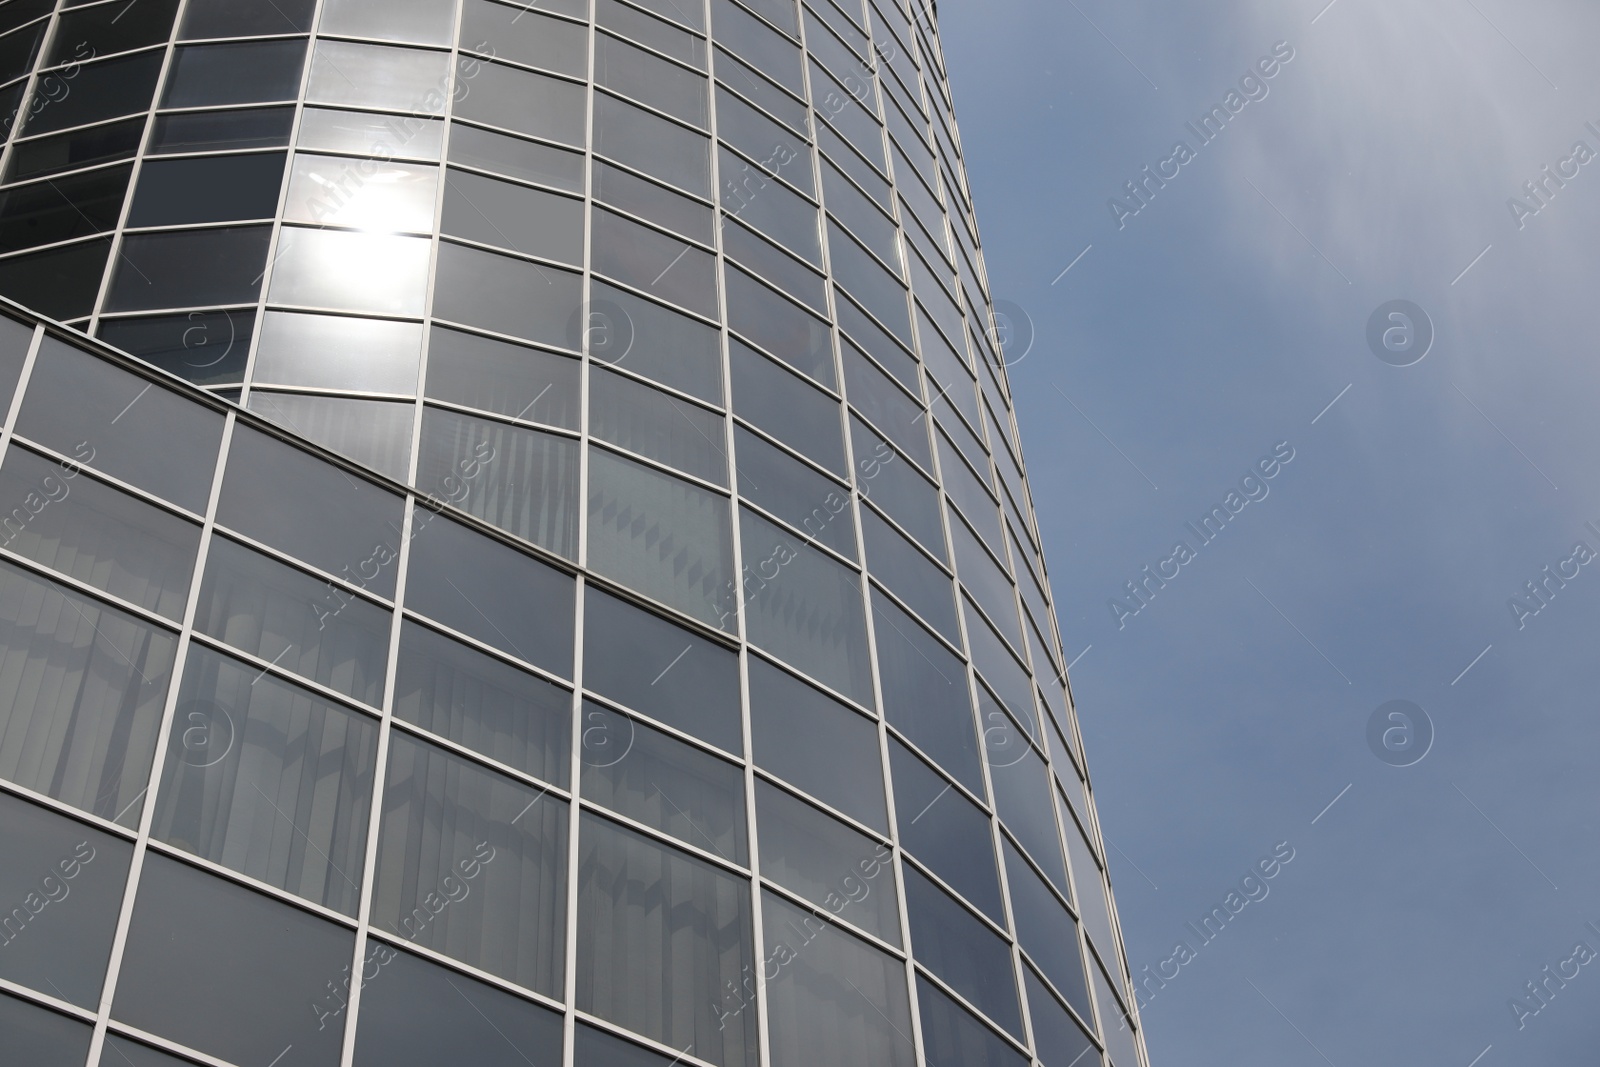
(1222, 319)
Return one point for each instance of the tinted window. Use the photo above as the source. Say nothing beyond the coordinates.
(336, 352)
(384, 136)
(827, 862)
(375, 272)
(68, 151)
(37, 1037)
(652, 144)
(799, 339)
(1059, 1038)
(945, 830)
(660, 205)
(189, 268)
(525, 102)
(372, 432)
(516, 158)
(524, 220)
(652, 423)
(234, 73)
(370, 194)
(951, 1034)
(104, 29)
(369, 75)
(1046, 931)
(417, 21)
(634, 72)
(100, 91)
(772, 479)
(62, 208)
(523, 383)
(62, 282)
(506, 295)
(647, 259)
(514, 33)
(215, 131)
(787, 407)
(652, 341)
(906, 572)
(952, 943)
(245, 18)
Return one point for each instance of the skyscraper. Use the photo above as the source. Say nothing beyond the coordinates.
(557, 583)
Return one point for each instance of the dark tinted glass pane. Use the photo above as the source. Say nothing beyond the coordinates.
(665, 671)
(214, 189)
(776, 150)
(516, 158)
(1090, 895)
(946, 831)
(38, 1037)
(97, 534)
(491, 592)
(287, 498)
(907, 573)
(897, 487)
(245, 18)
(762, 259)
(189, 268)
(525, 102)
(473, 864)
(285, 616)
(786, 407)
(805, 608)
(234, 73)
(630, 193)
(799, 339)
(67, 151)
(878, 344)
(60, 209)
(827, 862)
(206, 347)
(513, 33)
(414, 1013)
(376, 433)
(951, 1034)
(523, 481)
(1115, 1023)
(21, 11)
(489, 706)
(775, 55)
(122, 424)
(87, 738)
(63, 883)
(1059, 1038)
(597, 1048)
(634, 416)
(772, 479)
(816, 743)
(238, 984)
(524, 220)
(770, 208)
(652, 341)
(646, 259)
(99, 91)
(874, 395)
(835, 999)
(509, 296)
(663, 536)
(655, 779)
(658, 931)
(1022, 790)
(15, 339)
(953, 944)
(636, 73)
(506, 379)
(651, 144)
(1046, 932)
(61, 283)
(121, 1051)
(18, 49)
(108, 28)
(269, 779)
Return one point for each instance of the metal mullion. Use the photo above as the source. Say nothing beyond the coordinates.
(67, 1008)
(663, 839)
(483, 648)
(502, 250)
(251, 882)
(312, 390)
(88, 818)
(994, 1027)
(164, 1044)
(294, 562)
(15, 406)
(269, 669)
(680, 1056)
(809, 540)
(163, 735)
(798, 901)
(878, 836)
(655, 464)
(479, 759)
(83, 588)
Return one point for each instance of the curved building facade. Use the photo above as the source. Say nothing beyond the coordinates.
(519, 553)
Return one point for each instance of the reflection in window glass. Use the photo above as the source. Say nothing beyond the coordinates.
(878, 344)
(772, 479)
(285, 616)
(816, 743)
(416, 1012)
(506, 295)
(674, 211)
(950, 1033)
(1046, 931)
(1115, 1023)
(827, 862)
(895, 562)
(238, 983)
(775, 150)
(268, 779)
(39, 1037)
(874, 394)
(952, 943)
(216, 131)
(189, 268)
(1058, 1037)
(117, 422)
(208, 74)
(103, 90)
(652, 145)
(523, 481)
(805, 608)
(655, 342)
(121, 1050)
(594, 1047)
(522, 102)
(516, 158)
(661, 535)
(207, 189)
(95, 533)
(770, 208)
(15, 340)
(368, 194)
(412, 21)
(773, 54)
(60, 282)
(662, 782)
(866, 280)
(370, 75)
(946, 831)
(473, 864)
(1090, 897)
(657, 930)
(999, 667)
(522, 383)
(647, 259)
(633, 72)
(289, 499)
(350, 271)
(789, 408)
(667, 672)
(897, 487)
(64, 882)
(490, 591)
(375, 433)
(799, 339)
(489, 706)
(529, 221)
(518, 35)
(875, 229)
(244, 18)
(661, 36)
(1021, 786)
(334, 352)
(837, 1000)
(358, 133)
(762, 259)
(634, 416)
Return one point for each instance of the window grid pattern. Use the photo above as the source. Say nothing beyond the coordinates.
(875, 70)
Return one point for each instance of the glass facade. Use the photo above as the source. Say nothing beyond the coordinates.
(557, 583)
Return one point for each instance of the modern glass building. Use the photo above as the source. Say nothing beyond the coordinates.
(519, 553)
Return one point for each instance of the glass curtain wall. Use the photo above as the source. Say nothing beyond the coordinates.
(666, 672)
